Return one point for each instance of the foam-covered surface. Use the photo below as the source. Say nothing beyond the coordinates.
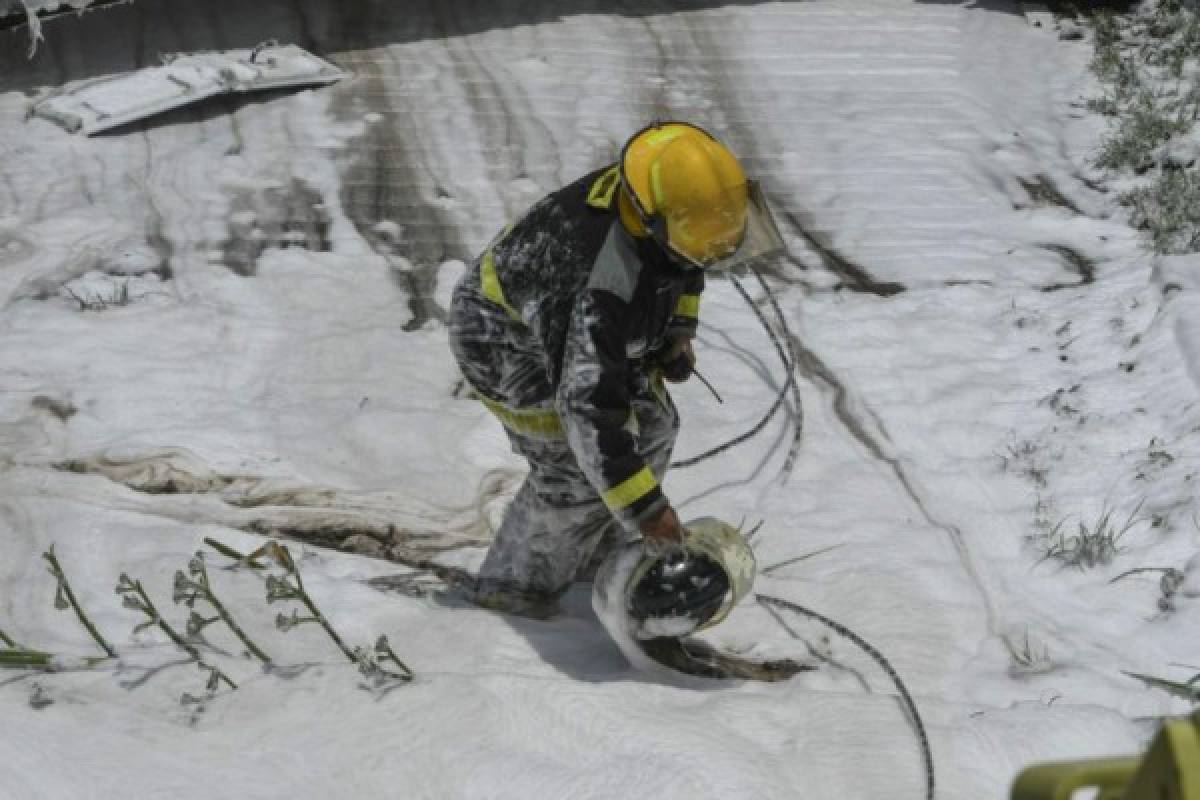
(228, 320)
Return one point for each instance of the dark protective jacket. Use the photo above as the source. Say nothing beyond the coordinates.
(586, 310)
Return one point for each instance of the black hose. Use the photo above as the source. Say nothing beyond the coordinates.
(791, 362)
(905, 698)
(789, 383)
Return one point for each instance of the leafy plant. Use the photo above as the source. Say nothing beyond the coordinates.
(16, 656)
(133, 595)
(194, 586)
(290, 586)
(64, 598)
(379, 664)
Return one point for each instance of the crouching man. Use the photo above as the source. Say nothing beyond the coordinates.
(566, 328)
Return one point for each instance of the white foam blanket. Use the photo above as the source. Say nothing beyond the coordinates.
(213, 322)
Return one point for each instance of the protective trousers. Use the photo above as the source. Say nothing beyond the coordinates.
(557, 528)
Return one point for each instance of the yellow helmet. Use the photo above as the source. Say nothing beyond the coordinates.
(687, 190)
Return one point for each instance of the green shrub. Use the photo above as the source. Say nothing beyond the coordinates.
(1141, 128)
(1169, 208)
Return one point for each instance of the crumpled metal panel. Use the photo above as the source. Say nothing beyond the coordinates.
(103, 103)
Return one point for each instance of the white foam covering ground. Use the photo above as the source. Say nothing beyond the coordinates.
(609, 602)
(210, 318)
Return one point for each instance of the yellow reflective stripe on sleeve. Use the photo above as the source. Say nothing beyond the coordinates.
(602, 191)
(688, 306)
(538, 422)
(489, 282)
(630, 490)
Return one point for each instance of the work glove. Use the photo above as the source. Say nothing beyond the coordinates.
(662, 534)
(678, 361)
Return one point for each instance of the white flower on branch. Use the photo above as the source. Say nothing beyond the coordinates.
(279, 589)
(185, 591)
(197, 623)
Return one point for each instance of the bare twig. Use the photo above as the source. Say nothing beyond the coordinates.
(7, 641)
(1138, 570)
(64, 593)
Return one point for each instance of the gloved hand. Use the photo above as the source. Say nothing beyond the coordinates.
(678, 360)
(662, 534)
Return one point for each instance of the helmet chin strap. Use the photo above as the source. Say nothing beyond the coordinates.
(630, 213)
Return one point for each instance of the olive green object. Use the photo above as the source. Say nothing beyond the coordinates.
(1170, 770)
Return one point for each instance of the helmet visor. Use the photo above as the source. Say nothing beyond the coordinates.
(720, 243)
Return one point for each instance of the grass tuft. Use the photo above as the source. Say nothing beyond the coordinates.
(1029, 657)
(1089, 545)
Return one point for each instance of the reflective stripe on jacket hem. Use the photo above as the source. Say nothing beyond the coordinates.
(537, 422)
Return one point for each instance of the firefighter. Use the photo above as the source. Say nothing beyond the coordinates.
(566, 327)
